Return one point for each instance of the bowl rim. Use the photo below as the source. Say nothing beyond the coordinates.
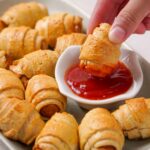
(120, 97)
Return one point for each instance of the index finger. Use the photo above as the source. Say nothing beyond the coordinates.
(104, 11)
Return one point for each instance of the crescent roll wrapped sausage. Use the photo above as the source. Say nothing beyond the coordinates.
(69, 39)
(58, 24)
(99, 56)
(43, 92)
(26, 14)
(38, 62)
(59, 133)
(18, 41)
(100, 131)
(10, 85)
(19, 121)
(134, 118)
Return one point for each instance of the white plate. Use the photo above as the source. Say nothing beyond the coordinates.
(73, 108)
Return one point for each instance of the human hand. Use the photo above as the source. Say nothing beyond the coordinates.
(126, 17)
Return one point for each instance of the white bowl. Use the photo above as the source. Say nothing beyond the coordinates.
(70, 57)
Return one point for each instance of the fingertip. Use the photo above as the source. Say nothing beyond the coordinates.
(117, 34)
(90, 29)
(93, 23)
(103, 12)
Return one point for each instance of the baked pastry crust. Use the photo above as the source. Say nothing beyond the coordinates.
(67, 40)
(5, 60)
(19, 121)
(60, 132)
(10, 85)
(98, 55)
(18, 41)
(58, 24)
(99, 130)
(42, 91)
(38, 62)
(134, 118)
(24, 14)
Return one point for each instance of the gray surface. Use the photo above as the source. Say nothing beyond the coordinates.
(3, 146)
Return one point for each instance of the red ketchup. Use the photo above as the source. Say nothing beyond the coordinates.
(90, 87)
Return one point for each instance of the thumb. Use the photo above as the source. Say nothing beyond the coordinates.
(128, 20)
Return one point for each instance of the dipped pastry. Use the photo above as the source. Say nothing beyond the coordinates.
(100, 131)
(18, 41)
(134, 118)
(24, 14)
(60, 132)
(69, 39)
(58, 24)
(38, 62)
(42, 91)
(99, 55)
(19, 121)
(10, 85)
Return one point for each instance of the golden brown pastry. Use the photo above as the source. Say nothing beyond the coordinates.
(100, 131)
(98, 55)
(26, 14)
(18, 41)
(5, 61)
(69, 39)
(59, 133)
(19, 121)
(42, 91)
(134, 118)
(38, 62)
(10, 85)
(58, 24)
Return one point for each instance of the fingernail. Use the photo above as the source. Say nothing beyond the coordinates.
(117, 35)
